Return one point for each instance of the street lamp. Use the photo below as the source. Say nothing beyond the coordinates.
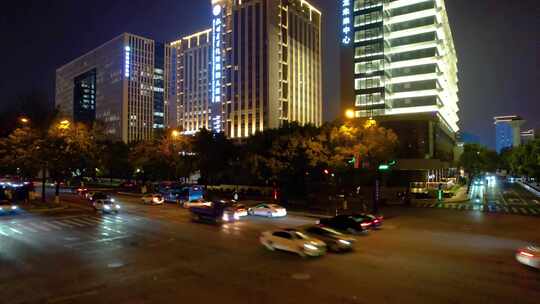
(64, 124)
(175, 134)
(350, 114)
(24, 120)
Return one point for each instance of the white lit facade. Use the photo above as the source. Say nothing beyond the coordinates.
(402, 57)
(194, 105)
(124, 84)
(266, 64)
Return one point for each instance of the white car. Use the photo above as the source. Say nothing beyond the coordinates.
(106, 206)
(268, 210)
(196, 203)
(529, 256)
(153, 199)
(293, 241)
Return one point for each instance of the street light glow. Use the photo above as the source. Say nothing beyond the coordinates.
(24, 120)
(350, 114)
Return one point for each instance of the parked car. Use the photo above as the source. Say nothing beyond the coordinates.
(335, 241)
(153, 199)
(346, 223)
(7, 207)
(529, 256)
(127, 185)
(293, 241)
(268, 210)
(106, 206)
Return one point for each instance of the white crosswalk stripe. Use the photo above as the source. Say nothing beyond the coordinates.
(60, 223)
(51, 225)
(25, 227)
(71, 221)
(38, 226)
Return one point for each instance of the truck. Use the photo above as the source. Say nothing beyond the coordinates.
(217, 212)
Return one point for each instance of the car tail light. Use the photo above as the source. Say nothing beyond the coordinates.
(526, 254)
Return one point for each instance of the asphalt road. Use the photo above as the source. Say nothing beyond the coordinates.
(155, 254)
(495, 197)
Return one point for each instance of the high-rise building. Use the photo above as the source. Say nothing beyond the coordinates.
(508, 131)
(194, 109)
(265, 65)
(527, 136)
(123, 83)
(399, 66)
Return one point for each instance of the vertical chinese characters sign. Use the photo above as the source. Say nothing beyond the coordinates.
(216, 66)
(346, 22)
(127, 50)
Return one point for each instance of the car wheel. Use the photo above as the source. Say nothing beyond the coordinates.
(250, 212)
(269, 214)
(334, 247)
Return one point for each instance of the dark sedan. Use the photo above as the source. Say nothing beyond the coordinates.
(376, 221)
(347, 223)
(335, 241)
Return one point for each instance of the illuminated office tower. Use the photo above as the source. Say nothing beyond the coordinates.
(266, 64)
(194, 107)
(398, 64)
(123, 83)
(508, 132)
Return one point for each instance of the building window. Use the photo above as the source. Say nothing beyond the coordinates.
(367, 83)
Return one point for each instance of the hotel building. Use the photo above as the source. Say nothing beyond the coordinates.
(508, 131)
(123, 83)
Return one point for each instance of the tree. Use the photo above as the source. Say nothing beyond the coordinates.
(477, 159)
(213, 155)
(18, 153)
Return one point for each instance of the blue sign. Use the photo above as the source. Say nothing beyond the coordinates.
(346, 22)
(216, 66)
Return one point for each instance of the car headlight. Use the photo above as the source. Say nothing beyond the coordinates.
(107, 207)
(310, 247)
(117, 206)
(14, 207)
(344, 242)
(225, 217)
(236, 216)
(112, 200)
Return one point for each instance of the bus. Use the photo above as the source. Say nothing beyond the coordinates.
(174, 193)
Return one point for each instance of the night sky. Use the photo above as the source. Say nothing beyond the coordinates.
(498, 45)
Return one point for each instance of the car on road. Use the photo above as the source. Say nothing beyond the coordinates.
(239, 209)
(7, 207)
(376, 221)
(82, 191)
(347, 223)
(293, 241)
(94, 196)
(197, 203)
(219, 212)
(268, 210)
(106, 206)
(335, 240)
(153, 199)
(529, 256)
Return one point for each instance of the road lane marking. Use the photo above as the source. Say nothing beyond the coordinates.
(514, 210)
(523, 211)
(533, 210)
(78, 220)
